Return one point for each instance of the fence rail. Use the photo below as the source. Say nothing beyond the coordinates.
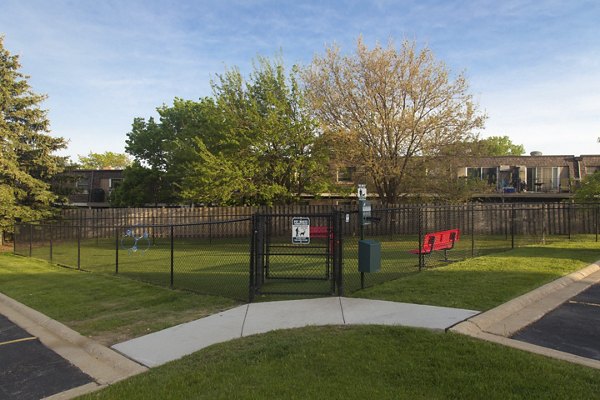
(208, 249)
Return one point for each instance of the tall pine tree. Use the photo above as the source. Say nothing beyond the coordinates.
(27, 160)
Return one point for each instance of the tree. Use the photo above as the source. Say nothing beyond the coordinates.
(27, 160)
(163, 149)
(500, 146)
(106, 160)
(390, 111)
(140, 186)
(589, 191)
(269, 149)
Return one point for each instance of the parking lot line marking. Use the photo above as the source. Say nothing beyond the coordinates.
(584, 303)
(27, 339)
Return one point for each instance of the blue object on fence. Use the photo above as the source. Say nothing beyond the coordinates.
(133, 243)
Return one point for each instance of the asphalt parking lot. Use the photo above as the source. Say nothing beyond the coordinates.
(574, 327)
(29, 370)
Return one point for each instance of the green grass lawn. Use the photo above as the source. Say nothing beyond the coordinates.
(324, 362)
(221, 266)
(363, 362)
(484, 282)
(106, 308)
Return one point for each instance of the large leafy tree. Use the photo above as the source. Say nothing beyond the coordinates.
(499, 146)
(106, 160)
(162, 150)
(391, 111)
(268, 151)
(27, 159)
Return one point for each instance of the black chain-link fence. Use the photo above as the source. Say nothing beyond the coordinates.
(207, 257)
(482, 229)
(213, 256)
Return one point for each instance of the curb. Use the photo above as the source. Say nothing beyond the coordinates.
(499, 323)
(104, 365)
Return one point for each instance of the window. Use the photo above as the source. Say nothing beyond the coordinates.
(345, 174)
(82, 185)
(485, 174)
(591, 169)
(545, 178)
(113, 183)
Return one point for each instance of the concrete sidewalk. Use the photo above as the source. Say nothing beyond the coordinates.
(173, 343)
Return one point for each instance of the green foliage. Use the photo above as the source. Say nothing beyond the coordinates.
(106, 160)
(268, 152)
(163, 149)
(254, 143)
(388, 110)
(27, 162)
(141, 186)
(500, 146)
(589, 191)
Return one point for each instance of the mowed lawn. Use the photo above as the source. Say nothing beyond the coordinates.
(106, 308)
(360, 362)
(326, 362)
(482, 283)
(221, 266)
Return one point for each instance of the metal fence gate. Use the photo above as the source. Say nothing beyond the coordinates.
(296, 254)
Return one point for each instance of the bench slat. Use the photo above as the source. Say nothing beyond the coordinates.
(442, 240)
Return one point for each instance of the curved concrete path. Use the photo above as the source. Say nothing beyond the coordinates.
(173, 343)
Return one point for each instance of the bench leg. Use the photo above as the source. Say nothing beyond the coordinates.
(446, 257)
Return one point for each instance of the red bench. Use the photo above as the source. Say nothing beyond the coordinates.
(436, 241)
(323, 232)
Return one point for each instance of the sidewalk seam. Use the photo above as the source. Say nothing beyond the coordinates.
(342, 310)
(244, 321)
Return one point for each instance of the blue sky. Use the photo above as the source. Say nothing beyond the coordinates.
(533, 66)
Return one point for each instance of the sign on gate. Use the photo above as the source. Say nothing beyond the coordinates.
(301, 230)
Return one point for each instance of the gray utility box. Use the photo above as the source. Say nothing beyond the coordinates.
(369, 256)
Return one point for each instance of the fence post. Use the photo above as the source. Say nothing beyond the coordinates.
(338, 264)
(172, 256)
(544, 228)
(252, 260)
(79, 246)
(420, 233)
(513, 217)
(30, 238)
(569, 220)
(51, 249)
(596, 221)
(116, 250)
(472, 230)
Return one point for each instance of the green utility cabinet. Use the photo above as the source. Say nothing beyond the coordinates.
(369, 256)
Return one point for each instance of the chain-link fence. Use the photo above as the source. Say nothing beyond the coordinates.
(482, 229)
(206, 257)
(213, 255)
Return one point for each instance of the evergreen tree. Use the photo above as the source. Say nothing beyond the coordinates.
(27, 162)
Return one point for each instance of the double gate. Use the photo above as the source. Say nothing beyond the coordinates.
(288, 258)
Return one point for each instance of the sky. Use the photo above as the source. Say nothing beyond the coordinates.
(533, 66)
